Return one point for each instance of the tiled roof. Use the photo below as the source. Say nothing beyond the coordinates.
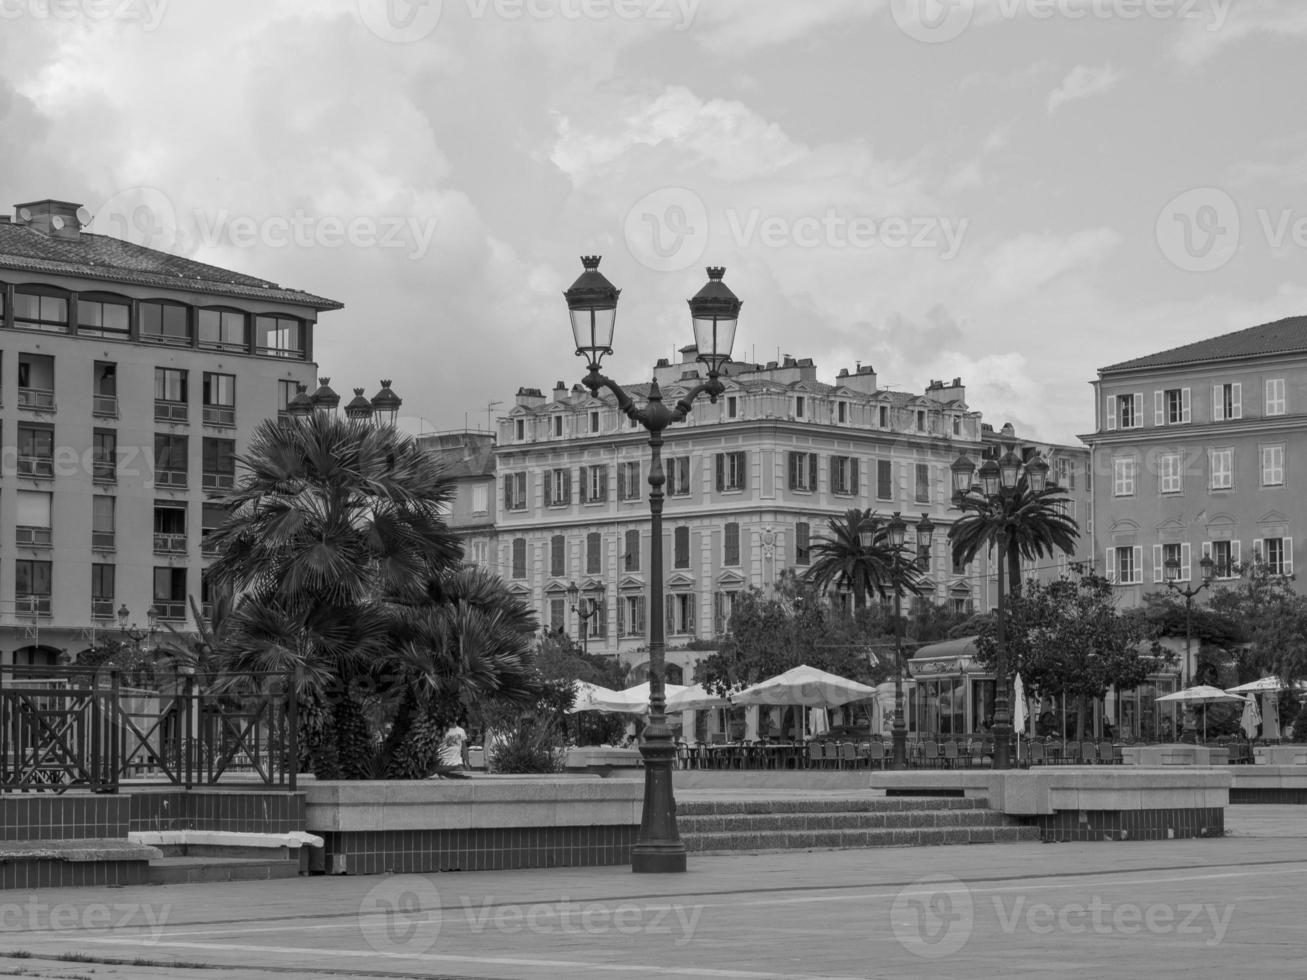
(107, 259)
(1281, 337)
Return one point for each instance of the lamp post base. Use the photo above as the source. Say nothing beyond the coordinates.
(659, 848)
(899, 751)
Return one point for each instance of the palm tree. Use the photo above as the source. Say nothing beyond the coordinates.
(1036, 525)
(842, 560)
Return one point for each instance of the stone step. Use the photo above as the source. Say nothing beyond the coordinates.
(861, 820)
(190, 870)
(855, 804)
(788, 840)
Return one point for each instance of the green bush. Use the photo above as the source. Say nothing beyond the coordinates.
(527, 743)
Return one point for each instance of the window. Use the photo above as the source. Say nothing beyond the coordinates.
(1277, 553)
(1272, 466)
(1170, 473)
(923, 483)
(1225, 557)
(841, 412)
(170, 395)
(802, 544)
(630, 615)
(286, 390)
(1123, 476)
(1275, 396)
(1227, 402)
(102, 523)
(959, 566)
(40, 308)
(104, 456)
(1123, 565)
(104, 389)
(921, 420)
(224, 330)
(631, 557)
(1171, 407)
(514, 491)
(32, 588)
(680, 613)
(884, 416)
(594, 484)
(957, 425)
(164, 323)
(519, 558)
(678, 476)
(628, 481)
(520, 430)
(279, 336)
(724, 608)
(35, 450)
(1065, 473)
(884, 479)
(681, 546)
(212, 517)
(1172, 552)
(558, 426)
(844, 475)
(36, 382)
(731, 545)
(558, 488)
(594, 553)
(557, 556)
(961, 605)
(1125, 411)
(219, 399)
(557, 615)
(730, 471)
(100, 315)
(1220, 464)
(102, 591)
(803, 471)
(799, 406)
(169, 527)
(480, 498)
(33, 528)
(170, 592)
(219, 467)
(732, 406)
(170, 460)
(594, 421)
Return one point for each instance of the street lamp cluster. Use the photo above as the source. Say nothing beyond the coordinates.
(131, 631)
(383, 407)
(998, 489)
(714, 313)
(585, 609)
(1172, 569)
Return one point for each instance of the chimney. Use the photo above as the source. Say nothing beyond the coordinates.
(54, 219)
(689, 353)
(560, 392)
(530, 397)
(862, 379)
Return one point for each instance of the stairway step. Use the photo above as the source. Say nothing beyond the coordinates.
(866, 804)
(189, 870)
(861, 820)
(852, 839)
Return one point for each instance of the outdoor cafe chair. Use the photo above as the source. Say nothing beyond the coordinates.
(1071, 756)
(1089, 753)
(875, 754)
(848, 755)
(1035, 753)
(951, 759)
(930, 756)
(816, 755)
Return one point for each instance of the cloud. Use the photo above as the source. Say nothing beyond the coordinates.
(1223, 23)
(1081, 83)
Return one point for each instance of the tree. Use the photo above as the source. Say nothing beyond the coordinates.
(840, 559)
(1036, 524)
(1272, 617)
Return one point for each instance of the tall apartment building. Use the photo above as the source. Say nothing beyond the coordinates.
(751, 483)
(1195, 449)
(130, 379)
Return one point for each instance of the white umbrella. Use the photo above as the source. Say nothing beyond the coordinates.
(1019, 711)
(695, 698)
(1203, 694)
(591, 697)
(807, 686)
(1251, 718)
(1266, 685)
(635, 700)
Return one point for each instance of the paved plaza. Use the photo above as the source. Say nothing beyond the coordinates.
(1200, 908)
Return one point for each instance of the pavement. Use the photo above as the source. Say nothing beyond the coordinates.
(1231, 906)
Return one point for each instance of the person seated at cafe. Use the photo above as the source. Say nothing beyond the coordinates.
(1108, 732)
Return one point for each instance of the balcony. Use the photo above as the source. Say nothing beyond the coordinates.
(280, 352)
(176, 479)
(168, 609)
(102, 608)
(169, 544)
(31, 605)
(37, 467)
(32, 537)
(36, 399)
(104, 472)
(166, 411)
(105, 406)
(219, 481)
(102, 540)
(221, 415)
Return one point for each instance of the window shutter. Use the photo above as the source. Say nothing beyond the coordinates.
(721, 471)
(1234, 555)
(601, 618)
(549, 487)
(567, 486)
(812, 471)
(1159, 408)
(1109, 565)
(832, 476)
(690, 619)
(508, 493)
(1218, 403)
(1258, 554)
(1157, 563)
(718, 626)
(744, 470)
(1139, 564)
(1286, 549)
(1139, 409)
(1184, 404)
(669, 612)
(853, 475)
(1236, 400)
(621, 481)
(621, 616)
(794, 470)
(639, 615)
(1111, 412)
(603, 483)
(585, 485)
(1186, 561)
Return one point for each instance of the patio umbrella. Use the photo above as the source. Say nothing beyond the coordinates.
(807, 686)
(1266, 685)
(635, 700)
(1203, 694)
(695, 698)
(1019, 711)
(590, 697)
(1251, 718)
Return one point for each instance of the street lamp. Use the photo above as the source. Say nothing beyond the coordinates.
(131, 632)
(896, 533)
(714, 311)
(998, 489)
(383, 408)
(1172, 568)
(585, 609)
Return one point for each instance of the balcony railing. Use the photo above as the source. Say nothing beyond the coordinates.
(223, 415)
(36, 399)
(285, 420)
(102, 609)
(31, 605)
(104, 472)
(105, 406)
(219, 481)
(207, 547)
(41, 467)
(170, 610)
(166, 411)
(102, 540)
(170, 544)
(280, 352)
(32, 537)
(171, 478)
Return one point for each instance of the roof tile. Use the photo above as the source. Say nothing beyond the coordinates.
(1281, 337)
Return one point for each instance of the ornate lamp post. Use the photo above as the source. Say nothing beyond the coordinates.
(134, 634)
(383, 408)
(896, 533)
(584, 609)
(998, 490)
(1172, 567)
(715, 310)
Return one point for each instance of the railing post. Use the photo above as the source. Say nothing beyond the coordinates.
(292, 729)
(115, 733)
(189, 747)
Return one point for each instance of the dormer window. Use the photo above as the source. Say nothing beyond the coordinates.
(798, 406)
(520, 430)
(558, 426)
(841, 412)
(732, 406)
(594, 421)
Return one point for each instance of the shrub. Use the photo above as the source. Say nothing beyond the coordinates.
(526, 743)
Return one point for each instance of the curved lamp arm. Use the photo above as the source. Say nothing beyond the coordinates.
(654, 415)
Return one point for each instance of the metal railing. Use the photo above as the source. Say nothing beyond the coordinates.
(36, 399)
(171, 478)
(166, 411)
(218, 481)
(41, 467)
(105, 405)
(170, 610)
(102, 540)
(223, 415)
(32, 537)
(169, 544)
(31, 605)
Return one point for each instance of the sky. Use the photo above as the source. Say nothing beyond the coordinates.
(1014, 192)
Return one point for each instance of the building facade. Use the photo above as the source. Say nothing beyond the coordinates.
(751, 484)
(1194, 452)
(130, 379)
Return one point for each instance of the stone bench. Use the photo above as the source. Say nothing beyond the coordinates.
(75, 862)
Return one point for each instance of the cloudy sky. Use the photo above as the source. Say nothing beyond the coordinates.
(1014, 191)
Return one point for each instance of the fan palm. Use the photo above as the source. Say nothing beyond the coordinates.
(841, 559)
(1036, 525)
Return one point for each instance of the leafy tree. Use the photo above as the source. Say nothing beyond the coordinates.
(1272, 617)
(841, 560)
(1037, 527)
